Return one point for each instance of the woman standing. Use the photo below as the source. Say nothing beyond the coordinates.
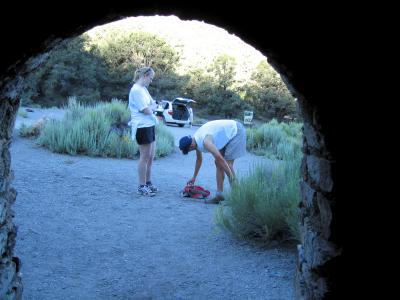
(143, 122)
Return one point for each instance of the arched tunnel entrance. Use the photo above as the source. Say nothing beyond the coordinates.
(304, 62)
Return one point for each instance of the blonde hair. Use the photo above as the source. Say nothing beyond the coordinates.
(139, 73)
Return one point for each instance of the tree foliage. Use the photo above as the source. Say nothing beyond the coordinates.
(224, 101)
(268, 94)
(96, 69)
(69, 69)
(224, 70)
(101, 66)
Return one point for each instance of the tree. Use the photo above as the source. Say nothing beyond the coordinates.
(124, 52)
(268, 94)
(224, 70)
(225, 100)
(199, 87)
(98, 68)
(70, 68)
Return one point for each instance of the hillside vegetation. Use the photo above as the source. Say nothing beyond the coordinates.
(191, 58)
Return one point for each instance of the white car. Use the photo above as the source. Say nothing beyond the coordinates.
(177, 111)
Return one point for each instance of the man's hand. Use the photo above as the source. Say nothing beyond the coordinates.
(191, 181)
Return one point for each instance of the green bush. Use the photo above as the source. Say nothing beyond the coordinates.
(28, 131)
(275, 140)
(98, 130)
(164, 140)
(264, 205)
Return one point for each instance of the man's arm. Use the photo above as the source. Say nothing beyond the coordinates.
(199, 160)
(219, 159)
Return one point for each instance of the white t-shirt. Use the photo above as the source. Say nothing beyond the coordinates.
(222, 132)
(139, 99)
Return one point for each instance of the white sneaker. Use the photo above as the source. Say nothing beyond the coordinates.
(152, 187)
(145, 191)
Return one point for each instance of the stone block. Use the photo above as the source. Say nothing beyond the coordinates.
(7, 273)
(319, 171)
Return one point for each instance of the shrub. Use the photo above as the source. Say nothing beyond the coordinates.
(98, 130)
(264, 205)
(275, 140)
(34, 130)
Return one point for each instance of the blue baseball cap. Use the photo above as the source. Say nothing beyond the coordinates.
(184, 144)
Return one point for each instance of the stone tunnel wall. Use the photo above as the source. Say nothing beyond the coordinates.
(10, 280)
(317, 253)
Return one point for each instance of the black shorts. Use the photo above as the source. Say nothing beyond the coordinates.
(146, 135)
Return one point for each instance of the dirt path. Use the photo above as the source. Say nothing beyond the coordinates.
(83, 233)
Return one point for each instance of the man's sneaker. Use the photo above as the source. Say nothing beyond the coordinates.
(145, 191)
(217, 199)
(152, 187)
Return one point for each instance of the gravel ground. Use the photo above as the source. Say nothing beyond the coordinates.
(83, 233)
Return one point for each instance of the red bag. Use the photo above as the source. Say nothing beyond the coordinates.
(195, 191)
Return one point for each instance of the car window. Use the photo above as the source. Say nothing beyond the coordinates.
(166, 105)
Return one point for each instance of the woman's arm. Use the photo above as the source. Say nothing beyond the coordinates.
(140, 99)
(147, 111)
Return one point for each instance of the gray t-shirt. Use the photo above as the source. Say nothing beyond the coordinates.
(222, 131)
